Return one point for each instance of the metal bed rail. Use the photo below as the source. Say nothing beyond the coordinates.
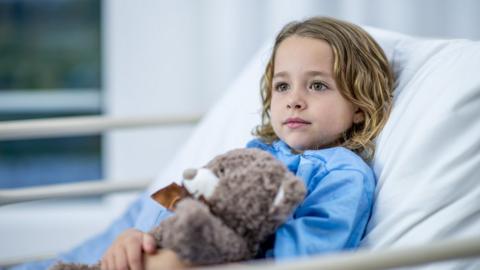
(71, 190)
(440, 251)
(81, 125)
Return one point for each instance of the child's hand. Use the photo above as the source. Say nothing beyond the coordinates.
(126, 252)
(164, 259)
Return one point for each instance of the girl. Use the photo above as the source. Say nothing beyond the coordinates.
(326, 92)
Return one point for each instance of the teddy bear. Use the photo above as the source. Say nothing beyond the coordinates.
(224, 211)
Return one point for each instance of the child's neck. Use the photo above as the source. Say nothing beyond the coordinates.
(301, 151)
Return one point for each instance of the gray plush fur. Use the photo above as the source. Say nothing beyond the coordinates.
(240, 214)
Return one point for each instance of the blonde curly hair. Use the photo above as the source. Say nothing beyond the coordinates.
(360, 69)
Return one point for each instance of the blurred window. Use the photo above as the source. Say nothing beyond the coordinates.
(50, 66)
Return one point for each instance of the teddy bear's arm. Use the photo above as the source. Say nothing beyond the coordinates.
(200, 238)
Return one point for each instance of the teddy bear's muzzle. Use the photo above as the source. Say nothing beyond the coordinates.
(189, 174)
(200, 183)
(197, 183)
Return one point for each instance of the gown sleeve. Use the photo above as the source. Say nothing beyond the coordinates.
(332, 217)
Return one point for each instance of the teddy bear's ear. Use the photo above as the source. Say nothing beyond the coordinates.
(169, 195)
(290, 194)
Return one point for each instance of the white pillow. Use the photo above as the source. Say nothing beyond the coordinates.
(428, 155)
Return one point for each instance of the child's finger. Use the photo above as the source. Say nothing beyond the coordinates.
(148, 243)
(120, 260)
(107, 261)
(104, 264)
(134, 257)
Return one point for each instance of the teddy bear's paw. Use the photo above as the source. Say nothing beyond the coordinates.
(200, 238)
(292, 193)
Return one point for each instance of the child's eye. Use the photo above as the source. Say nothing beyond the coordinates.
(318, 86)
(281, 87)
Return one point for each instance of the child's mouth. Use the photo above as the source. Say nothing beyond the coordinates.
(296, 122)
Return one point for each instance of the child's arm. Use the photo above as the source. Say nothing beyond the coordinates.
(332, 217)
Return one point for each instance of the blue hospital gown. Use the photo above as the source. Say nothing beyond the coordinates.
(333, 216)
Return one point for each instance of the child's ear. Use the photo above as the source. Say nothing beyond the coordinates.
(358, 116)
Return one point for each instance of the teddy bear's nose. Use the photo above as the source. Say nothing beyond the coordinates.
(189, 174)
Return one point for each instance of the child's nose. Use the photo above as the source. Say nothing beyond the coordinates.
(295, 105)
(296, 101)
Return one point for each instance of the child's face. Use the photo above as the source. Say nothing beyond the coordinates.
(307, 109)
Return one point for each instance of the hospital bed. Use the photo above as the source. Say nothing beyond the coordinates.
(427, 162)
